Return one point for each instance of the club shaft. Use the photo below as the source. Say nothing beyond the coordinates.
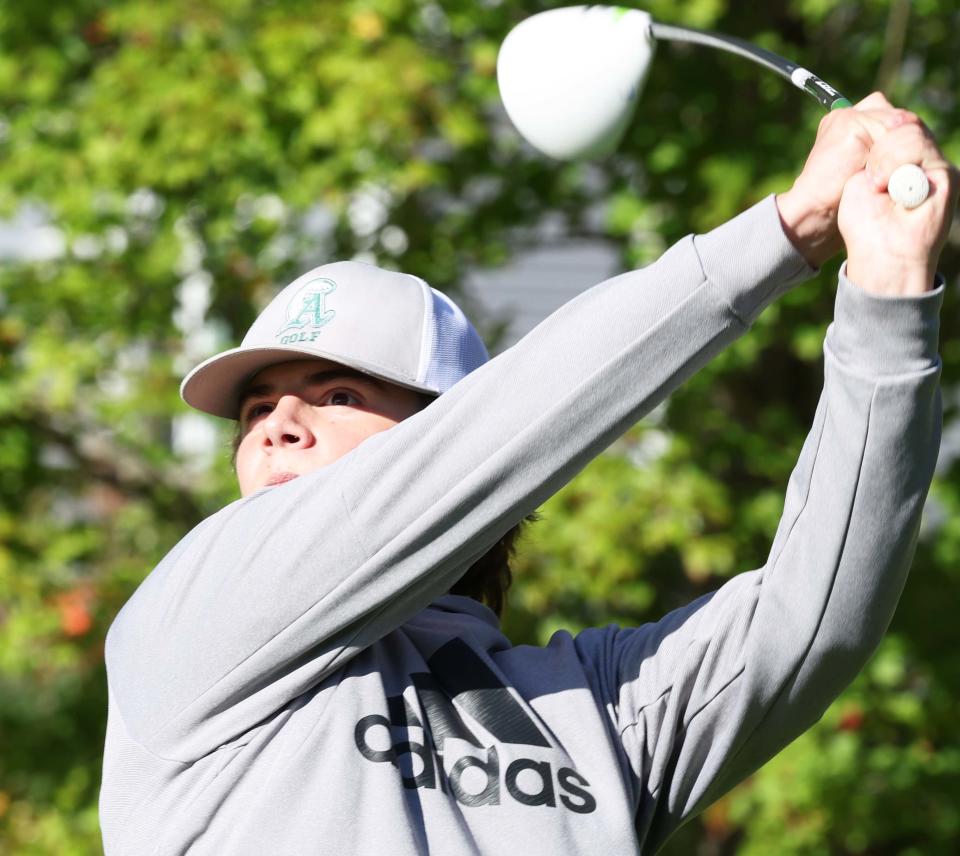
(797, 75)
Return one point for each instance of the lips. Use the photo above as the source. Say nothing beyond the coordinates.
(280, 478)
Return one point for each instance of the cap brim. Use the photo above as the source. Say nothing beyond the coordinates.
(215, 385)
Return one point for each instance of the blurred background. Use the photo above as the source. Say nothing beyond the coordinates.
(166, 166)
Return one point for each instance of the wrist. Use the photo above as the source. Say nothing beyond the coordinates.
(890, 277)
(885, 336)
(811, 230)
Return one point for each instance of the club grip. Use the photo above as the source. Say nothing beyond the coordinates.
(908, 185)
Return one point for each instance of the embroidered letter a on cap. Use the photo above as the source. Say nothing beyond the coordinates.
(307, 310)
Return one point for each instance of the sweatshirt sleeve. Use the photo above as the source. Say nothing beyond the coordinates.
(708, 694)
(269, 596)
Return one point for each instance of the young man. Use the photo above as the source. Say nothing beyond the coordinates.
(294, 677)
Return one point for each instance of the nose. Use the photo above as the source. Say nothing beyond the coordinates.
(287, 426)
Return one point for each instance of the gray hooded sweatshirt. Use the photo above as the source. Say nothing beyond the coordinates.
(292, 678)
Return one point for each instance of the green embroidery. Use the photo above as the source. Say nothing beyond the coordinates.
(308, 311)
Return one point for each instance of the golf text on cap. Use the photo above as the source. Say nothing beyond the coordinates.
(459, 681)
(307, 312)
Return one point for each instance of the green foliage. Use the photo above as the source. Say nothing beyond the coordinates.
(191, 157)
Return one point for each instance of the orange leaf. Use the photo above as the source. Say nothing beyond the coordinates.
(75, 607)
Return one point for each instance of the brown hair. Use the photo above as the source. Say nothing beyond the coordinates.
(489, 578)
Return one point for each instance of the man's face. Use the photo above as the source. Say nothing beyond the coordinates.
(299, 416)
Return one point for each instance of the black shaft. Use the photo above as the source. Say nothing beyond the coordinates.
(797, 75)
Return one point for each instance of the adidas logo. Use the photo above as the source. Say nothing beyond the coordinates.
(460, 681)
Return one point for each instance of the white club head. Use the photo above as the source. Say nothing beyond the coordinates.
(569, 78)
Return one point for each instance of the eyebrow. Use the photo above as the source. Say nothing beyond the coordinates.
(315, 379)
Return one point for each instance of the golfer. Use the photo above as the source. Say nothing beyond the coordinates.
(317, 669)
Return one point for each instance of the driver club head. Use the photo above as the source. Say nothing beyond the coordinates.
(569, 78)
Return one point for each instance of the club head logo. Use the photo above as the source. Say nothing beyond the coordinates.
(307, 312)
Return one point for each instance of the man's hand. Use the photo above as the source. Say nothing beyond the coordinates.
(840, 197)
(892, 251)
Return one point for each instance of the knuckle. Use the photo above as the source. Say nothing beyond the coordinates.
(826, 124)
(913, 133)
(875, 100)
(862, 136)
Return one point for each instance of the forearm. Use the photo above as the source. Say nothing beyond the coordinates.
(847, 537)
(541, 410)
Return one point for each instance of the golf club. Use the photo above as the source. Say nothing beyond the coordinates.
(569, 80)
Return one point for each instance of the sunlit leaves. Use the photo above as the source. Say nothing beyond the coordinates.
(187, 158)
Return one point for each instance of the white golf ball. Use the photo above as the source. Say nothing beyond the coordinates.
(908, 185)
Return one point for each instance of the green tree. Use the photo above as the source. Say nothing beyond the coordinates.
(188, 158)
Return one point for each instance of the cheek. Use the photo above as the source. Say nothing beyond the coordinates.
(349, 433)
(245, 464)
(358, 424)
(378, 423)
(352, 428)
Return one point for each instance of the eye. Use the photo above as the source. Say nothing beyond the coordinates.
(341, 398)
(256, 410)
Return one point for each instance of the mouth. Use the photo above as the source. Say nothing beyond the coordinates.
(280, 478)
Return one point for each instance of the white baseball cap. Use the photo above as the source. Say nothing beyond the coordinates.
(390, 325)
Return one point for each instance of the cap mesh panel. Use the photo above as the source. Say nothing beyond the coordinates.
(455, 346)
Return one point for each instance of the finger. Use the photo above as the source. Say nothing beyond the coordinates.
(944, 184)
(866, 125)
(874, 101)
(896, 117)
(910, 143)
